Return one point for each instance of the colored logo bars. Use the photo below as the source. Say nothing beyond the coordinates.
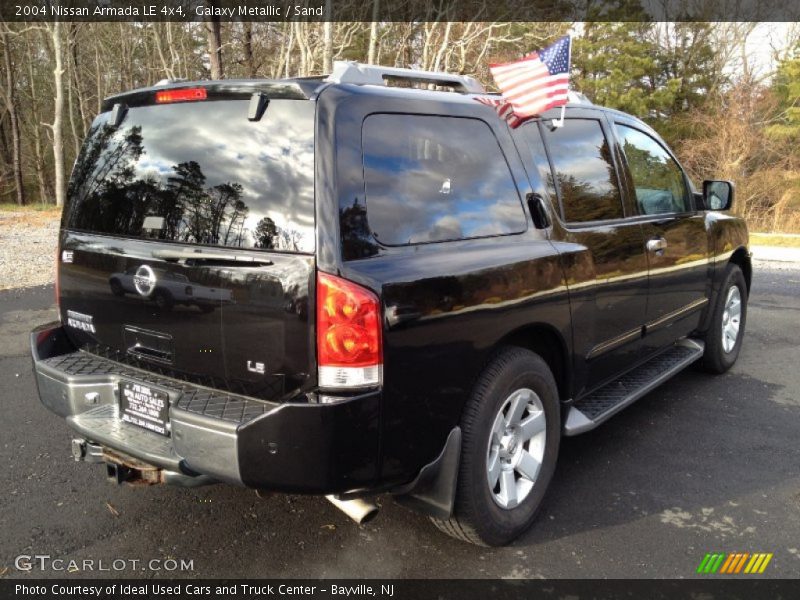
(734, 563)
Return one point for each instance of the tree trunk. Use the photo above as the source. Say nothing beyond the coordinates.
(41, 177)
(327, 38)
(98, 78)
(327, 47)
(165, 66)
(214, 34)
(58, 113)
(249, 61)
(11, 104)
(76, 138)
(78, 86)
(373, 33)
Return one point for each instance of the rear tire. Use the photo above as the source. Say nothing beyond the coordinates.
(730, 315)
(516, 381)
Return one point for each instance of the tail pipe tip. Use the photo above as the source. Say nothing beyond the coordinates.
(357, 509)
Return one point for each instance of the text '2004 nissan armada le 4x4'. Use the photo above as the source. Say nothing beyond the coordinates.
(343, 287)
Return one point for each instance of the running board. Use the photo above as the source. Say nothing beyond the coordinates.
(588, 412)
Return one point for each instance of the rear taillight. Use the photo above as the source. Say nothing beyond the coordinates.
(184, 95)
(349, 349)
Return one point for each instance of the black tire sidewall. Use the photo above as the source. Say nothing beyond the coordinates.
(716, 359)
(495, 525)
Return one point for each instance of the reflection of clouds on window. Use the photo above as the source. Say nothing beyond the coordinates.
(211, 174)
(406, 160)
(585, 171)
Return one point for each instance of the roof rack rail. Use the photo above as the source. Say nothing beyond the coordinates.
(345, 71)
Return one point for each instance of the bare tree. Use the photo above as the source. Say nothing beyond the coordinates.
(214, 35)
(54, 29)
(249, 61)
(327, 39)
(372, 50)
(9, 96)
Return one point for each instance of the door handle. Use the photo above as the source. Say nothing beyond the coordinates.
(538, 212)
(657, 245)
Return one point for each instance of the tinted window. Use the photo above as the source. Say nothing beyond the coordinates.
(657, 179)
(538, 155)
(584, 170)
(431, 179)
(200, 173)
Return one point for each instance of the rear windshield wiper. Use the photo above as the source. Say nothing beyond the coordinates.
(243, 260)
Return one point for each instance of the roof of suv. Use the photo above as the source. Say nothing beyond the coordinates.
(355, 77)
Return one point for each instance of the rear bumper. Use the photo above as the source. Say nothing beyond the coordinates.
(307, 448)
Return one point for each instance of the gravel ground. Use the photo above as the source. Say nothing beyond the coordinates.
(27, 248)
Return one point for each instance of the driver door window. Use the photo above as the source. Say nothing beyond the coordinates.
(657, 179)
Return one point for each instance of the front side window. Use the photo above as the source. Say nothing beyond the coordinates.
(657, 179)
(585, 172)
(434, 179)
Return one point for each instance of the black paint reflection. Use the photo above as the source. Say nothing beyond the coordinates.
(200, 173)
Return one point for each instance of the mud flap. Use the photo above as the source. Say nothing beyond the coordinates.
(433, 492)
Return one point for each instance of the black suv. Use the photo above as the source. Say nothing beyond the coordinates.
(400, 294)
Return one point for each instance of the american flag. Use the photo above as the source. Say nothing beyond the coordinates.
(536, 82)
(504, 110)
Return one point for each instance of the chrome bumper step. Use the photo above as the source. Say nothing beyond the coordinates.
(590, 411)
(103, 425)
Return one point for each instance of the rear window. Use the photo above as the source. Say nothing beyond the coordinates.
(200, 173)
(432, 179)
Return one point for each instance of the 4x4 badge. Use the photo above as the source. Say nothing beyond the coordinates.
(144, 280)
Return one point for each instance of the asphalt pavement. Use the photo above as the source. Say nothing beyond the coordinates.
(702, 464)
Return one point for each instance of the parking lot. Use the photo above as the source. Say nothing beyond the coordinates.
(702, 464)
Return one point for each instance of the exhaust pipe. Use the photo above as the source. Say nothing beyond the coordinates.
(357, 509)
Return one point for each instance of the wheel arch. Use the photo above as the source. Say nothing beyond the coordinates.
(546, 341)
(741, 258)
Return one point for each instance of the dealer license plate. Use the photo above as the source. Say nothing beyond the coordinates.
(141, 405)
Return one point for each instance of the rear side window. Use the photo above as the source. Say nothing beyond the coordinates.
(584, 170)
(200, 173)
(432, 179)
(657, 178)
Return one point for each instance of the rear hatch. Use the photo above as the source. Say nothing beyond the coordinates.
(188, 239)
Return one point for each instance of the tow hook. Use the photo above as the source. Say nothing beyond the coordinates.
(121, 468)
(84, 451)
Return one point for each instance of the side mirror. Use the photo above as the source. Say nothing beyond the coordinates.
(717, 195)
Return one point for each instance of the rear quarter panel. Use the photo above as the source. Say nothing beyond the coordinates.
(456, 300)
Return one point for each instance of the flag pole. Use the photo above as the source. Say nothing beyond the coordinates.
(560, 122)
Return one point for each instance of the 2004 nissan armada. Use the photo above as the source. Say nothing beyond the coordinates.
(342, 287)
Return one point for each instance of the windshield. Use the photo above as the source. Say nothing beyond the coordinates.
(200, 173)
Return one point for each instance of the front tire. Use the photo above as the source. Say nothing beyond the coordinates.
(511, 430)
(724, 337)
